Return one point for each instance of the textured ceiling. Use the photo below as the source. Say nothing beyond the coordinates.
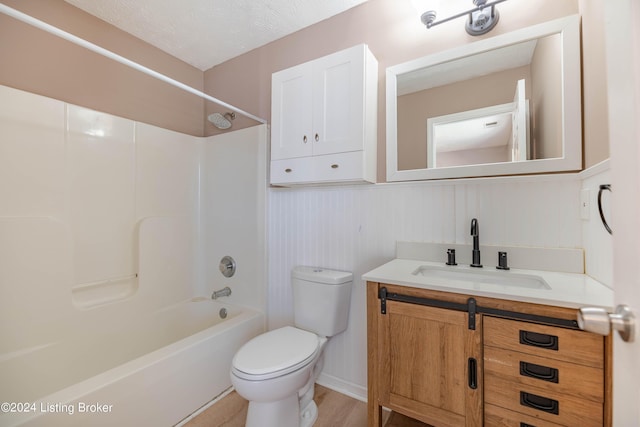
(205, 33)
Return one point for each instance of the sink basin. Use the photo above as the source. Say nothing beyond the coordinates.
(480, 277)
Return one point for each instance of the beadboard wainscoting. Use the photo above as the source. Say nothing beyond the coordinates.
(355, 228)
(596, 241)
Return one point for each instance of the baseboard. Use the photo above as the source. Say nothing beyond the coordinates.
(341, 386)
(205, 406)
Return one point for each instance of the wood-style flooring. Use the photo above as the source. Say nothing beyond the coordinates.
(335, 410)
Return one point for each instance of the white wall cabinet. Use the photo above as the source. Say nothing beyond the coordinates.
(324, 115)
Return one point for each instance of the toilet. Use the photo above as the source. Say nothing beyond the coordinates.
(276, 371)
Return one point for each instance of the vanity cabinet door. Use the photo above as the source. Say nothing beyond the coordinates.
(430, 364)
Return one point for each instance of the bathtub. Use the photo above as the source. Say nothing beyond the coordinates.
(156, 373)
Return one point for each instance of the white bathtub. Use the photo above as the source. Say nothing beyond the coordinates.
(154, 373)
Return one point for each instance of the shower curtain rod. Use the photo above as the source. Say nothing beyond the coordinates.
(27, 19)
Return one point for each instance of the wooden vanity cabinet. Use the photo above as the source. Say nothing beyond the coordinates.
(435, 362)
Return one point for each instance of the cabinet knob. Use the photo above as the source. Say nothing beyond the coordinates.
(304, 139)
(335, 166)
(317, 137)
(288, 170)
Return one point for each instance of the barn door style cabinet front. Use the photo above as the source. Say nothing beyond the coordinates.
(430, 362)
(432, 359)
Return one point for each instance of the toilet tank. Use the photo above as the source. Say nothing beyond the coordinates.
(321, 299)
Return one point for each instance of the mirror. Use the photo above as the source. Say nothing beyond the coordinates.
(506, 105)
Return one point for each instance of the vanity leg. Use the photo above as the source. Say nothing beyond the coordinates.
(374, 410)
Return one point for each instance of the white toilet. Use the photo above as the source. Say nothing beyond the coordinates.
(276, 371)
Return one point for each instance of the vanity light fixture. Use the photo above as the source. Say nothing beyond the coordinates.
(481, 19)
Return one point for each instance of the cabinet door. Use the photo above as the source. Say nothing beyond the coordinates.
(291, 116)
(425, 366)
(338, 97)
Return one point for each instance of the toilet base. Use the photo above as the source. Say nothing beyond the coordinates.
(282, 413)
(309, 415)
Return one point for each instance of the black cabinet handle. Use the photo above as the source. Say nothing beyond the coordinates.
(526, 425)
(540, 403)
(534, 339)
(473, 373)
(540, 372)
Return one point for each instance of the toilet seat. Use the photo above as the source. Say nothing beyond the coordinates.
(275, 353)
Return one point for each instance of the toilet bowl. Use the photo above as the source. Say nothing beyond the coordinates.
(276, 371)
(273, 372)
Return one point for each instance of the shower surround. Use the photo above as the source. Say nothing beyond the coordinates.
(106, 222)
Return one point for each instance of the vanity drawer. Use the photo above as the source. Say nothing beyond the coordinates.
(525, 369)
(495, 416)
(542, 403)
(568, 345)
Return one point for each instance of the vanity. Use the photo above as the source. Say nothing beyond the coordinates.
(457, 346)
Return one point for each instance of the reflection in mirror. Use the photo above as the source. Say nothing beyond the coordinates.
(513, 99)
(493, 134)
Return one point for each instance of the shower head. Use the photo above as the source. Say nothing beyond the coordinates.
(222, 121)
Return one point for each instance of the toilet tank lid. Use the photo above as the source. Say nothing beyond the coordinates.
(321, 275)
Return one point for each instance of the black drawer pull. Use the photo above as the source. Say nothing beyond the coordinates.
(540, 403)
(473, 373)
(526, 425)
(534, 339)
(287, 170)
(540, 372)
(334, 166)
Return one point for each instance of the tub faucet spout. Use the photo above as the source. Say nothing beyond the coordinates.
(225, 292)
(475, 253)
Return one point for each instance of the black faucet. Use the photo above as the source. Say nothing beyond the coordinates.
(475, 253)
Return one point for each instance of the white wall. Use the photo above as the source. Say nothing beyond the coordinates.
(233, 213)
(89, 200)
(598, 244)
(104, 218)
(355, 229)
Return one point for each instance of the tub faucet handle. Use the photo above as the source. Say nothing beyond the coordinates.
(227, 266)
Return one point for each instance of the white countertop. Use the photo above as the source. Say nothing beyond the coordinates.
(567, 289)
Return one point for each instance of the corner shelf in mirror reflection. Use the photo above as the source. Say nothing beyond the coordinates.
(541, 64)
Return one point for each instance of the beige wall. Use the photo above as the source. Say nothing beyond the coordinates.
(37, 62)
(594, 83)
(546, 98)
(43, 64)
(394, 34)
